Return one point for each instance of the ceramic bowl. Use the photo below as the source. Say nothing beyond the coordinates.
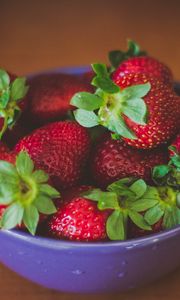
(90, 267)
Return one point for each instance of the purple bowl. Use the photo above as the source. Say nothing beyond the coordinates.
(90, 267)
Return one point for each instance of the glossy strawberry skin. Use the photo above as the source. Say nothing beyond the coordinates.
(144, 64)
(79, 219)
(49, 96)
(163, 107)
(61, 149)
(114, 159)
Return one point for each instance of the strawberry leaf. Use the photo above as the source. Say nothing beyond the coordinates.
(40, 176)
(12, 216)
(141, 205)
(24, 164)
(106, 200)
(135, 110)
(106, 84)
(86, 118)
(7, 169)
(136, 91)
(116, 57)
(86, 101)
(4, 79)
(49, 191)
(45, 205)
(100, 70)
(154, 214)
(31, 218)
(139, 187)
(115, 123)
(18, 88)
(160, 171)
(138, 220)
(116, 226)
(7, 192)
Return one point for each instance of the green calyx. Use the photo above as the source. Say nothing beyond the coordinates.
(168, 174)
(10, 96)
(108, 106)
(116, 57)
(167, 208)
(26, 193)
(126, 198)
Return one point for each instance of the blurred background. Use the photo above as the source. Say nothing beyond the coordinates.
(37, 35)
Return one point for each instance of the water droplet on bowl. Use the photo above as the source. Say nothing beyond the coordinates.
(124, 263)
(78, 272)
(121, 274)
(21, 252)
(39, 262)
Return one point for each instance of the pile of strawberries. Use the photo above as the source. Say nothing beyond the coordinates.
(94, 156)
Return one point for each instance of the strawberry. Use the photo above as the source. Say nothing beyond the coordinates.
(49, 96)
(25, 193)
(8, 156)
(3, 147)
(144, 65)
(114, 159)
(12, 92)
(79, 219)
(136, 61)
(96, 215)
(138, 107)
(61, 149)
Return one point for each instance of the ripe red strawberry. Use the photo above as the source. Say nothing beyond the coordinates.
(163, 108)
(25, 193)
(114, 159)
(143, 110)
(12, 92)
(97, 215)
(8, 156)
(144, 65)
(79, 219)
(49, 96)
(61, 149)
(3, 147)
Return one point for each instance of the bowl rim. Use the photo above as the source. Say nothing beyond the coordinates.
(48, 242)
(57, 243)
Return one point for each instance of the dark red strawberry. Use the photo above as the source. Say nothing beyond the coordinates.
(49, 96)
(134, 231)
(12, 92)
(144, 65)
(114, 159)
(61, 149)
(138, 107)
(26, 196)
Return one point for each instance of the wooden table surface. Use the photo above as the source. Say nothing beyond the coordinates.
(42, 34)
